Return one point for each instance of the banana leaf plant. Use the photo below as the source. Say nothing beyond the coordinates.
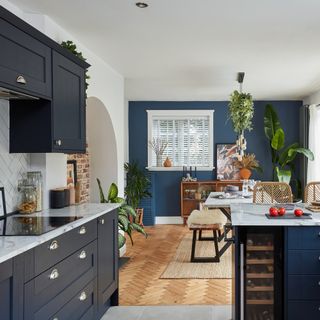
(282, 156)
(126, 214)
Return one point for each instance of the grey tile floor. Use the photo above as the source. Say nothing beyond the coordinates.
(169, 312)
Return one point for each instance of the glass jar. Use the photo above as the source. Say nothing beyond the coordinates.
(28, 203)
(35, 178)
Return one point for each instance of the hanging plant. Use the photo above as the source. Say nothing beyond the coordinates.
(69, 45)
(241, 111)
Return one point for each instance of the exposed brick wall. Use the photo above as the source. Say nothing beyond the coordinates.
(83, 173)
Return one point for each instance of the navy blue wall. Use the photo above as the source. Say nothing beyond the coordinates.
(166, 185)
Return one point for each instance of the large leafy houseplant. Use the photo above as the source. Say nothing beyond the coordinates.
(241, 111)
(126, 214)
(282, 156)
(138, 184)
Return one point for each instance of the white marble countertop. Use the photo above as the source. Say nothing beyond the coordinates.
(11, 246)
(254, 215)
(214, 202)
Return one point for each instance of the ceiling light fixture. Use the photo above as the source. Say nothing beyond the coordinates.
(142, 5)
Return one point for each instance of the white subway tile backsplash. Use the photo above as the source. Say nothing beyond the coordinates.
(12, 166)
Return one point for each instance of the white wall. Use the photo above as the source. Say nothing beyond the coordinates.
(313, 98)
(105, 84)
(103, 148)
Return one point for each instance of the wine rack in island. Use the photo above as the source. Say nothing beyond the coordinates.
(261, 273)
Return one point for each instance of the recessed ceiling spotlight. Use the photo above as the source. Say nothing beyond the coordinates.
(141, 5)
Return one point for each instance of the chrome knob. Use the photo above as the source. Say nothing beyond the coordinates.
(54, 274)
(102, 221)
(21, 80)
(55, 318)
(83, 296)
(58, 142)
(83, 230)
(82, 254)
(54, 245)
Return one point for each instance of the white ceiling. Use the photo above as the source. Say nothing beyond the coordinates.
(192, 50)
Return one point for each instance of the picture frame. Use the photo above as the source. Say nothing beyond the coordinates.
(72, 177)
(3, 208)
(226, 154)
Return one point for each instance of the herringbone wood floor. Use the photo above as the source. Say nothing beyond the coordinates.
(139, 278)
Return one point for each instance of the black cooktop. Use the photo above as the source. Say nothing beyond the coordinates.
(32, 226)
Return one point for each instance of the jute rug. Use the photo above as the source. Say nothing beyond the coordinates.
(180, 266)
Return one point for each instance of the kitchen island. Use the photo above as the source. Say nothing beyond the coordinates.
(276, 265)
(69, 272)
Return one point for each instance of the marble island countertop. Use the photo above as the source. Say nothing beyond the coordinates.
(11, 246)
(254, 215)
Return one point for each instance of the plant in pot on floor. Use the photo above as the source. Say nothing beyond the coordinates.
(137, 188)
(282, 157)
(126, 214)
(246, 165)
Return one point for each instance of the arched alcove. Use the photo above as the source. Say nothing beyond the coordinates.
(102, 147)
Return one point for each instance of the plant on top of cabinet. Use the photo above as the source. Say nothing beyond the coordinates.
(282, 156)
(69, 45)
(126, 214)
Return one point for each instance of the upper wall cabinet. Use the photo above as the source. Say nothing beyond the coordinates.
(33, 64)
(68, 105)
(25, 63)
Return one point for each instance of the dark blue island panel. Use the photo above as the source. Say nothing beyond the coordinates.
(302, 273)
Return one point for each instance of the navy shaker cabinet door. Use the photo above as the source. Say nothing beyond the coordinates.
(25, 62)
(107, 261)
(69, 132)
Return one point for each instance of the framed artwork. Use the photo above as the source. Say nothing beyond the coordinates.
(72, 172)
(226, 155)
(3, 209)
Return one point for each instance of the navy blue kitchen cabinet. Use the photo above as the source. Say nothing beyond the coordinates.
(71, 277)
(302, 273)
(25, 62)
(68, 105)
(49, 81)
(107, 251)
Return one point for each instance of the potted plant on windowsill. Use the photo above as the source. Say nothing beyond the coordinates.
(137, 188)
(246, 164)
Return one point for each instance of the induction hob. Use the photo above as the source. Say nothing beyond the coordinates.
(32, 226)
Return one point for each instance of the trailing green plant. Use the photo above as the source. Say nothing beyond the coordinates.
(126, 214)
(69, 45)
(138, 184)
(241, 111)
(282, 156)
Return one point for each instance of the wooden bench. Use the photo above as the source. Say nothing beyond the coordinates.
(217, 237)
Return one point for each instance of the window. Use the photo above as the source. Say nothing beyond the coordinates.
(188, 134)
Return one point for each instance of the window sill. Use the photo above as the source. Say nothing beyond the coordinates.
(178, 168)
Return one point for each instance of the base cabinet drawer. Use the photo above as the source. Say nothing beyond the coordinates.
(55, 250)
(304, 262)
(50, 283)
(298, 310)
(304, 238)
(303, 287)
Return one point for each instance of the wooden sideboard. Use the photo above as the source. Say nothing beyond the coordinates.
(192, 193)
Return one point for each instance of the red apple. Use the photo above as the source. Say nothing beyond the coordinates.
(298, 212)
(273, 212)
(281, 211)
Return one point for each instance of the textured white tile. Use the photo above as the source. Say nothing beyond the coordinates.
(12, 166)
